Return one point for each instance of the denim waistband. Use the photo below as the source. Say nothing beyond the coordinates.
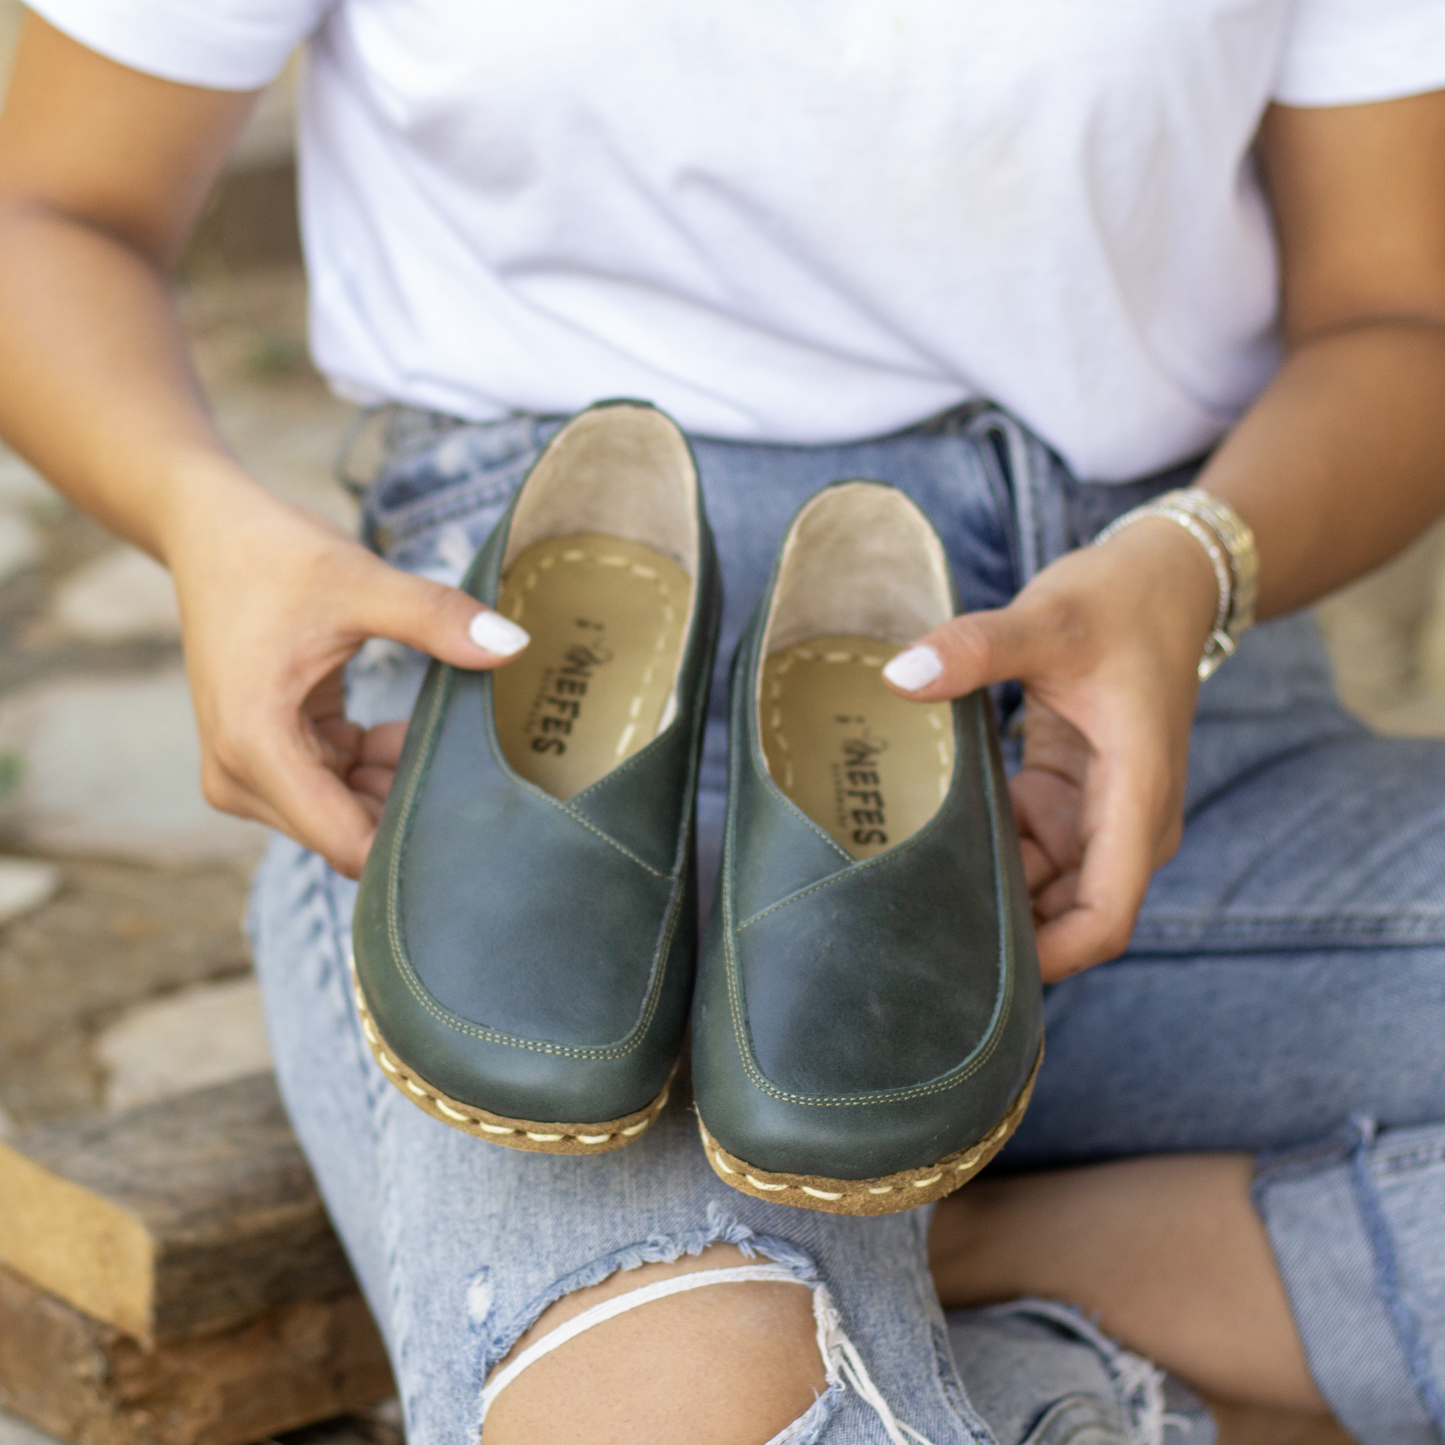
(399, 460)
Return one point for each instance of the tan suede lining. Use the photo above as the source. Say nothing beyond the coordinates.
(608, 619)
(869, 767)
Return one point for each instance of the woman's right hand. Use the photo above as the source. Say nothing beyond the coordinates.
(274, 601)
(1106, 642)
(103, 172)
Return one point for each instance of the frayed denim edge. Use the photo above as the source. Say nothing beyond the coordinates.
(808, 1428)
(1138, 1383)
(722, 1228)
(1349, 1147)
(1387, 1270)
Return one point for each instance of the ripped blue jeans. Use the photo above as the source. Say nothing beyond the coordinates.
(1284, 994)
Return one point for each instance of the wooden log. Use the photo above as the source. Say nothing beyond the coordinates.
(85, 1382)
(171, 1220)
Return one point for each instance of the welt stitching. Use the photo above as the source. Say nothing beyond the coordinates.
(466, 1116)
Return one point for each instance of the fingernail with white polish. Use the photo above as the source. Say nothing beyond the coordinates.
(492, 631)
(914, 668)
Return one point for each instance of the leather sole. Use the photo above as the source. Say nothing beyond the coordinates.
(530, 1134)
(889, 1194)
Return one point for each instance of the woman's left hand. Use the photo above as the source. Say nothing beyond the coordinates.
(1106, 642)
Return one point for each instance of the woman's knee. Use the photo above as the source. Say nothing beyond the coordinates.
(730, 1363)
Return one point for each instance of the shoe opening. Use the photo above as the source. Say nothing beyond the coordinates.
(862, 574)
(600, 568)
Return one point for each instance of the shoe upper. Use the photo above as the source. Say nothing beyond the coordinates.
(859, 1016)
(529, 954)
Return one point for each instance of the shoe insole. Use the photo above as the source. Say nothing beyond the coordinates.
(607, 618)
(869, 767)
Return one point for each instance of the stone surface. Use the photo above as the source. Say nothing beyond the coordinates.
(1421, 716)
(114, 936)
(249, 340)
(23, 488)
(111, 767)
(25, 884)
(205, 1035)
(15, 1431)
(290, 443)
(1430, 640)
(1387, 637)
(119, 596)
(20, 544)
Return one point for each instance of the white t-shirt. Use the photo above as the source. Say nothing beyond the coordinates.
(796, 220)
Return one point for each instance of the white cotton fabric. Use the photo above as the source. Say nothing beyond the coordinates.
(809, 222)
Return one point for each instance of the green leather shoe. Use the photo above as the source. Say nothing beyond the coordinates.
(525, 929)
(867, 1023)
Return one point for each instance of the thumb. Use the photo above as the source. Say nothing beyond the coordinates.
(442, 621)
(970, 652)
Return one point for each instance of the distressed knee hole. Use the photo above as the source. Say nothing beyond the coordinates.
(725, 1363)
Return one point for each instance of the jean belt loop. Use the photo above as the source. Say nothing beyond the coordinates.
(1030, 481)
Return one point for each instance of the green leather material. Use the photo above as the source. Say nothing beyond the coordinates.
(533, 957)
(854, 1019)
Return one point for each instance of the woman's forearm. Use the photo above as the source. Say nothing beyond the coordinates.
(96, 386)
(103, 171)
(1341, 462)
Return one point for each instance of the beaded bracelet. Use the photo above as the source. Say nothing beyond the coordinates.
(1229, 544)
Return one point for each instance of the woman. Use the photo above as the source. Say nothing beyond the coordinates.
(1205, 245)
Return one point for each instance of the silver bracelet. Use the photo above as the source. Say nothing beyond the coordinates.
(1238, 541)
(1229, 544)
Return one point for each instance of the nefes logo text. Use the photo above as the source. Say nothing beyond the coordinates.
(863, 804)
(558, 705)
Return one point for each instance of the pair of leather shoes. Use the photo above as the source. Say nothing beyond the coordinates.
(866, 1025)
